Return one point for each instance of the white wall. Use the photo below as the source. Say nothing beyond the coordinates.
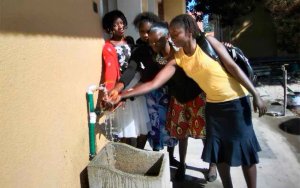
(152, 6)
(130, 8)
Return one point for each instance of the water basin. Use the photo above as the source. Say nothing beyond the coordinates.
(119, 165)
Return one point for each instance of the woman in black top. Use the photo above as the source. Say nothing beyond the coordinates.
(186, 111)
(141, 62)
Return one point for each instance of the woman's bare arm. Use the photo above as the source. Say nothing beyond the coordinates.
(161, 78)
(238, 74)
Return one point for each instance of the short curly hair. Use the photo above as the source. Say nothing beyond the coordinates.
(109, 18)
(145, 17)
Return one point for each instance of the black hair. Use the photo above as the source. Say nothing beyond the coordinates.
(188, 23)
(109, 18)
(145, 17)
(130, 41)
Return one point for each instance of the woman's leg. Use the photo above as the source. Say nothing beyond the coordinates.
(250, 175)
(183, 143)
(180, 173)
(224, 171)
(173, 161)
(212, 170)
(141, 141)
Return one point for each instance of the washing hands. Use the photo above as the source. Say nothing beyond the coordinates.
(107, 104)
(112, 101)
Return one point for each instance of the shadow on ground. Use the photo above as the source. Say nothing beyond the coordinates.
(189, 181)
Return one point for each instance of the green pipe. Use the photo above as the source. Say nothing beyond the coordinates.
(92, 119)
(91, 102)
(91, 126)
(93, 116)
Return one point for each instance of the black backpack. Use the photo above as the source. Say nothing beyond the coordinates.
(236, 54)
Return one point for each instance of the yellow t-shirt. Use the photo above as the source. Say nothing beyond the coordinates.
(218, 85)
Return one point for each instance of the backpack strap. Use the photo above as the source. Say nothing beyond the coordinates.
(206, 47)
(236, 54)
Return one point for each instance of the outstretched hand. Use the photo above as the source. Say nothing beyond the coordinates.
(110, 106)
(111, 101)
(113, 96)
(258, 104)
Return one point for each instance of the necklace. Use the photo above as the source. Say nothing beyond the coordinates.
(160, 59)
(164, 60)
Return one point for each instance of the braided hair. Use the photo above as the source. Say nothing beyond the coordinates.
(188, 23)
(109, 18)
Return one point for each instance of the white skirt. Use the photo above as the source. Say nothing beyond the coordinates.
(132, 119)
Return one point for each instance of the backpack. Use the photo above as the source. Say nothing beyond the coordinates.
(236, 54)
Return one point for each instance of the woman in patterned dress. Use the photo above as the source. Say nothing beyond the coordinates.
(230, 137)
(157, 101)
(187, 104)
(130, 121)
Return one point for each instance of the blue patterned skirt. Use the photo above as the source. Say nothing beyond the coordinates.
(157, 103)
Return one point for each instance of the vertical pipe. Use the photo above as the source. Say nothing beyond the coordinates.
(92, 120)
(93, 116)
(284, 88)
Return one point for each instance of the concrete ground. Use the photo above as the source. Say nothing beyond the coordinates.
(279, 165)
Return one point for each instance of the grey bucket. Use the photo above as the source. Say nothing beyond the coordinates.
(119, 165)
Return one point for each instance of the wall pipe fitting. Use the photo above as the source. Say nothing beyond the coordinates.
(92, 117)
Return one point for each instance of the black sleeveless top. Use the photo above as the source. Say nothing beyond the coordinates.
(182, 87)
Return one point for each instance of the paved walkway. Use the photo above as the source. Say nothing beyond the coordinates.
(279, 165)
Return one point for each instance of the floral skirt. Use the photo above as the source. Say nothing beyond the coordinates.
(158, 136)
(187, 119)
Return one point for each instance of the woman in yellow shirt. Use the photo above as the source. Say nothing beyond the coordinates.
(231, 140)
